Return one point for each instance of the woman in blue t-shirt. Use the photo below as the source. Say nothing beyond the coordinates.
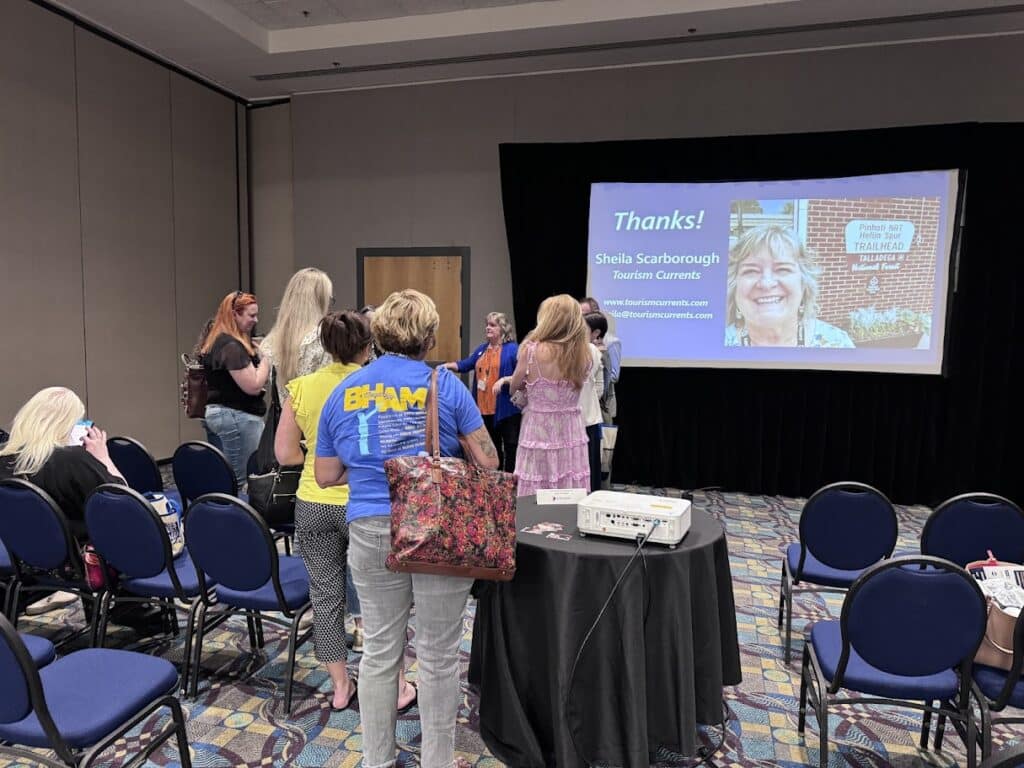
(375, 414)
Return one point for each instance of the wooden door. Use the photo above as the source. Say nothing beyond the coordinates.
(437, 272)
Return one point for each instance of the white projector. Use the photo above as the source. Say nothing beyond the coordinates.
(629, 515)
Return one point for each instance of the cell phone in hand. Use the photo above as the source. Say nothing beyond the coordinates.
(79, 431)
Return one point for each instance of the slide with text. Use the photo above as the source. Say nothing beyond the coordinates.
(847, 273)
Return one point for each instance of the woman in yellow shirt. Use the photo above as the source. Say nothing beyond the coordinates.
(320, 527)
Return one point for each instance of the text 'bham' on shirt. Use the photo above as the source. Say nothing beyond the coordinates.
(385, 398)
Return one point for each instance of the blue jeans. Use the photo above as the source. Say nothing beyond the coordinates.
(387, 598)
(236, 433)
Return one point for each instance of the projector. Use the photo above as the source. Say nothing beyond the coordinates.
(629, 515)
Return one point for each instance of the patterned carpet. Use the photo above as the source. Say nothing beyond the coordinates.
(238, 720)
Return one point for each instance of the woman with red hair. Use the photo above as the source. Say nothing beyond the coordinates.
(236, 376)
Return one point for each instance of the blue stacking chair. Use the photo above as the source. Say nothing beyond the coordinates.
(6, 577)
(995, 690)
(43, 552)
(82, 703)
(40, 650)
(127, 532)
(138, 466)
(200, 468)
(231, 542)
(844, 528)
(907, 635)
(966, 527)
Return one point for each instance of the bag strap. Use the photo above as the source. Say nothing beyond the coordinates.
(433, 441)
(275, 397)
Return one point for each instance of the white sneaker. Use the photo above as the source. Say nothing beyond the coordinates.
(51, 603)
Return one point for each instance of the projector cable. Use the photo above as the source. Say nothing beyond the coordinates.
(641, 541)
(704, 753)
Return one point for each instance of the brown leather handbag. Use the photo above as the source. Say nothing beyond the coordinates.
(448, 516)
(193, 387)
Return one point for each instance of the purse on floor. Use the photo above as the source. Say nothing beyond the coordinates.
(448, 516)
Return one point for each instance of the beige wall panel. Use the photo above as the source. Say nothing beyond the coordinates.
(403, 167)
(205, 213)
(418, 165)
(354, 160)
(456, 201)
(270, 198)
(40, 238)
(127, 242)
(242, 196)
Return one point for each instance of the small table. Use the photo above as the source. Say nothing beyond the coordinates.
(653, 668)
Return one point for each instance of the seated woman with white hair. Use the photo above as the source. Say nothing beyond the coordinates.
(39, 450)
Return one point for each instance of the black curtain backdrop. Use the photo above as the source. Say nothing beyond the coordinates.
(919, 439)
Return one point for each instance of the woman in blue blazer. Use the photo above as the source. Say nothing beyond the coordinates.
(489, 362)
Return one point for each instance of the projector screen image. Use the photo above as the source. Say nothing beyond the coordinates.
(836, 274)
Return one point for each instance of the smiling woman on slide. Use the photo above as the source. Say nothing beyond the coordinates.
(772, 294)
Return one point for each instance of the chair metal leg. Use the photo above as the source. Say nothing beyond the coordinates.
(200, 630)
(104, 611)
(970, 742)
(258, 621)
(787, 654)
(823, 731)
(940, 730)
(926, 723)
(819, 700)
(801, 722)
(186, 656)
(288, 545)
(986, 725)
(293, 637)
(782, 595)
(13, 603)
(94, 623)
(184, 757)
(172, 617)
(250, 624)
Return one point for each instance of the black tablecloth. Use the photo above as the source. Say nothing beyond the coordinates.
(640, 684)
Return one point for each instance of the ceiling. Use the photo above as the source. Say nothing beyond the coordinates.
(266, 49)
(288, 14)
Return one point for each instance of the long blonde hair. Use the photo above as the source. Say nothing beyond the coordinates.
(42, 425)
(307, 297)
(560, 324)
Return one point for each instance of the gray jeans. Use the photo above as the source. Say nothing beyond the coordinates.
(386, 598)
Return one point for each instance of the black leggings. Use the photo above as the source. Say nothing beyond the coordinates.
(505, 436)
(594, 453)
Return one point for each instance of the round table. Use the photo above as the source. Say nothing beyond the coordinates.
(653, 668)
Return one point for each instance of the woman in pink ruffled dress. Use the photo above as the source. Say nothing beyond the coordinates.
(553, 362)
